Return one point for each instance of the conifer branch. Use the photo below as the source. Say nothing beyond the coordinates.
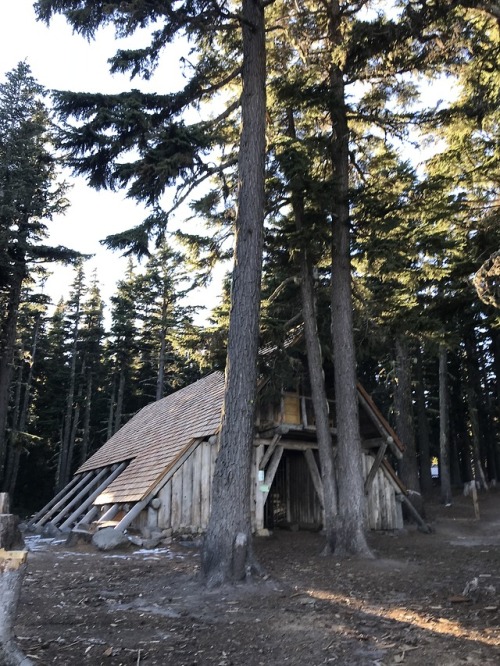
(198, 181)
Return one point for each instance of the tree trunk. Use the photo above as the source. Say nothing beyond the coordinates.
(458, 430)
(320, 405)
(403, 407)
(84, 450)
(160, 380)
(111, 410)
(476, 418)
(7, 345)
(24, 411)
(227, 552)
(423, 428)
(495, 353)
(119, 401)
(444, 445)
(13, 439)
(66, 452)
(351, 538)
(316, 374)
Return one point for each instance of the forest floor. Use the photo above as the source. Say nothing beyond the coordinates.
(140, 608)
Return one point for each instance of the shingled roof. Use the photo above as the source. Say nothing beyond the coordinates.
(155, 437)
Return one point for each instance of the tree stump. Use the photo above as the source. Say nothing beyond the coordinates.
(12, 567)
(10, 536)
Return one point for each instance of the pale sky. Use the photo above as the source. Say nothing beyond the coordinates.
(62, 60)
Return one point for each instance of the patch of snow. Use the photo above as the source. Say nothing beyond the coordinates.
(157, 551)
(36, 543)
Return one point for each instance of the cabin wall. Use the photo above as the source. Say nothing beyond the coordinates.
(185, 498)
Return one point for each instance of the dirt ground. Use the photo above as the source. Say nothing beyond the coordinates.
(407, 606)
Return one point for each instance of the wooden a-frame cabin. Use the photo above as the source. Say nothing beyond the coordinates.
(155, 473)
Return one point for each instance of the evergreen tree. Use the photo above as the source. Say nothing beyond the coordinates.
(22, 419)
(122, 351)
(164, 324)
(169, 151)
(74, 308)
(92, 336)
(29, 196)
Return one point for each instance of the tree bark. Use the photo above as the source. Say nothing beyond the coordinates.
(423, 428)
(117, 422)
(111, 410)
(403, 407)
(20, 427)
(495, 352)
(160, 380)
(444, 446)
(476, 418)
(84, 450)
(320, 406)
(227, 552)
(351, 538)
(316, 373)
(7, 345)
(13, 439)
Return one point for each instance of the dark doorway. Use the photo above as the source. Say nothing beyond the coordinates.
(292, 499)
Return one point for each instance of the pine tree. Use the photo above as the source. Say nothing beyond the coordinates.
(171, 151)
(122, 351)
(72, 409)
(29, 197)
(164, 323)
(92, 336)
(22, 432)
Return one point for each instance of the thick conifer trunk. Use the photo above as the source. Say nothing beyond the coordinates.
(227, 552)
(351, 538)
(14, 445)
(7, 344)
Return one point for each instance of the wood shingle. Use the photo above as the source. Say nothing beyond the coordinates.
(154, 438)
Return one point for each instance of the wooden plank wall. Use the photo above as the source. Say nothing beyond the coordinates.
(383, 511)
(185, 498)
